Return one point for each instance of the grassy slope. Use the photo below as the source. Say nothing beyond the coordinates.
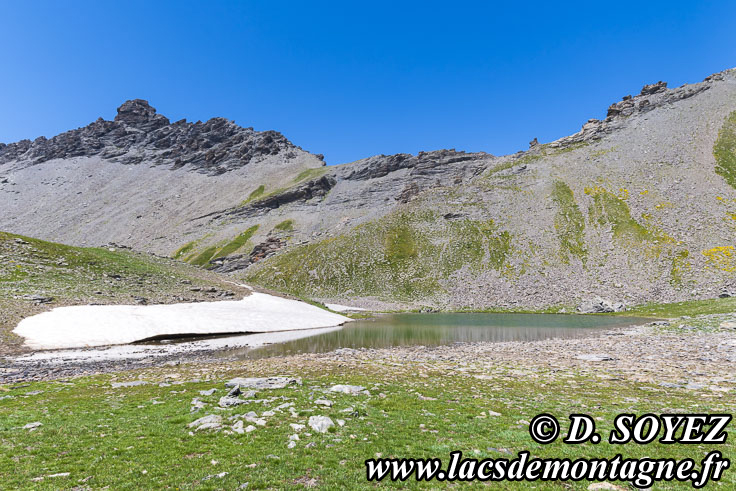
(77, 275)
(137, 438)
(403, 256)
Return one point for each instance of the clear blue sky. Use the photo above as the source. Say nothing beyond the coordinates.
(353, 79)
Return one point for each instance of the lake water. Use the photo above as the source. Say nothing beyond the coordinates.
(438, 329)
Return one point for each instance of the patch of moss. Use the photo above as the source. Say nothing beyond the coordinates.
(236, 243)
(724, 150)
(569, 223)
(285, 226)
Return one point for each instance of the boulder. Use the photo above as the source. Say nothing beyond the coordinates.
(320, 424)
(263, 382)
(600, 305)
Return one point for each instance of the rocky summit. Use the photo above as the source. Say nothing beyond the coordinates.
(637, 207)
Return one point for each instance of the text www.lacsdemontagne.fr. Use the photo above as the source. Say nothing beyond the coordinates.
(641, 472)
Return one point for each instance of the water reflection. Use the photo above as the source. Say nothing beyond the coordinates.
(439, 329)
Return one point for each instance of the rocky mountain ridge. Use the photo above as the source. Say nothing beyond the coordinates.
(633, 207)
(138, 134)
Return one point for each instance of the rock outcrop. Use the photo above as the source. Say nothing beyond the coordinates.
(139, 135)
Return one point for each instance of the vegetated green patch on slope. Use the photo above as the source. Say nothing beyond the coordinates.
(204, 257)
(724, 150)
(138, 437)
(237, 243)
(184, 250)
(260, 192)
(285, 226)
(406, 255)
(569, 223)
(610, 209)
(307, 174)
(81, 275)
(255, 194)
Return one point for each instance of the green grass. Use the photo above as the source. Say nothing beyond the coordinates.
(184, 250)
(569, 223)
(237, 243)
(690, 307)
(724, 150)
(137, 437)
(204, 257)
(285, 226)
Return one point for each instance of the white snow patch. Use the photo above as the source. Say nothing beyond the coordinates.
(102, 325)
(139, 351)
(343, 308)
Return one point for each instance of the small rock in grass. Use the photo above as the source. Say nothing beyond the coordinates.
(196, 405)
(294, 437)
(263, 382)
(207, 392)
(135, 383)
(349, 389)
(323, 402)
(493, 413)
(268, 414)
(228, 401)
(33, 426)
(238, 428)
(250, 428)
(291, 444)
(297, 427)
(209, 422)
(320, 424)
(341, 422)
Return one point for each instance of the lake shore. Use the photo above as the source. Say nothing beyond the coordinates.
(691, 350)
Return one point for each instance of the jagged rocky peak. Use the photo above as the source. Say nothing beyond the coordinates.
(139, 112)
(139, 135)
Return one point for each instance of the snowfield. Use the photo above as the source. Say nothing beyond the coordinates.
(102, 325)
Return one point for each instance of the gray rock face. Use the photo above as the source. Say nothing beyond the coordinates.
(600, 305)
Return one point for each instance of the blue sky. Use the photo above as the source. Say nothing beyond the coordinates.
(353, 79)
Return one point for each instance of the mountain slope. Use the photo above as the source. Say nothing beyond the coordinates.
(637, 207)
